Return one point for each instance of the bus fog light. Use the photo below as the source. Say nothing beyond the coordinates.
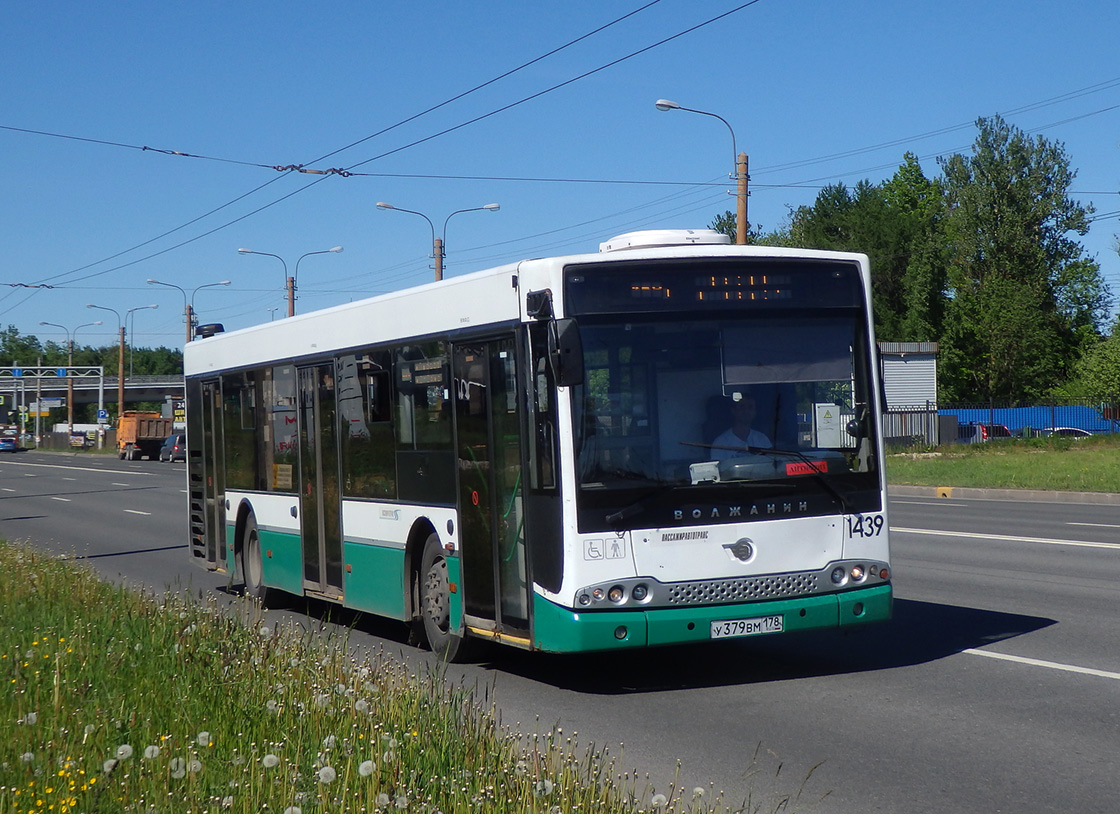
(616, 594)
(838, 575)
(857, 573)
(598, 594)
(584, 599)
(640, 592)
(620, 632)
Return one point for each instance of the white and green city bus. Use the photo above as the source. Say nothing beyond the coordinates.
(532, 454)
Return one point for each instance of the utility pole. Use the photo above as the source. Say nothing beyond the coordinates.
(741, 224)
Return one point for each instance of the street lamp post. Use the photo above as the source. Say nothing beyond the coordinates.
(70, 364)
(290, 282)
(439, 244)
(740, 175)
(132, 331)
(188, 304)
(120, 356)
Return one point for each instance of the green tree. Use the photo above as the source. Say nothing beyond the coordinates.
(1023, 301)
(862, 220)
(726, 224)
(24, 350)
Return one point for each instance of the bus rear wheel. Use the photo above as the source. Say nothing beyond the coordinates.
(435, 604)
(252, 569)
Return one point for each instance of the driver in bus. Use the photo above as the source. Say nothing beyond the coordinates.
(740, 436)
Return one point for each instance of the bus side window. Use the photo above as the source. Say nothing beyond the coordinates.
(543, 449)
(368, 446)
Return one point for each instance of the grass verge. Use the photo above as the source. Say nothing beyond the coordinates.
(1057, 464)
(115, 701)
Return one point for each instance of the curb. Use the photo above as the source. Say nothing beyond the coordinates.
(1030, 495)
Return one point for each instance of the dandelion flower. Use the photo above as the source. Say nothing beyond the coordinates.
(383, 799)
(124, 752)
(204, 738)
(329, 742)
(31, 718)
(367, 768)
(697, 792)
(109, 765)
(401, 801)
(151, 752)
(272, 706)
(266, 632)
(293, 810)
(389, 757)
(361, 705)
(327, 775)
(178, 768)
(194, 766)
(658, 801)
(322, 700)
(27, 757)
(270, 761)
(543, 787)
(227, 802)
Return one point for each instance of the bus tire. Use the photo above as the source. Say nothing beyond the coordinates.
(435, 604)
(252, 569)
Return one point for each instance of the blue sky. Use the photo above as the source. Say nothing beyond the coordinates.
(816, 92)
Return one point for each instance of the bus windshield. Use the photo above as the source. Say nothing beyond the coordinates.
(722, 401)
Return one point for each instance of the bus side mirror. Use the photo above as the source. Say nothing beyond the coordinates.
(565, 352)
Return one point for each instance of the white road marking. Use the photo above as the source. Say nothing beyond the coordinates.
(134, 511)
(1050, 665)
(930, 502)
(1010, 538)
(63, 499)
(1096, 525)
(99, 470)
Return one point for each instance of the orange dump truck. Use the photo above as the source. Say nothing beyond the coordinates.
(140, 434)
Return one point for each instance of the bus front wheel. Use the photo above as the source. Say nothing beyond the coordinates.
(252, 570)
(435, 603)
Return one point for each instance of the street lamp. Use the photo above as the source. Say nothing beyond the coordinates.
(69, 364)
(290, 282)
(132, 331)
(188, 305)
(120, 356)
(439, 244)
(740, 174)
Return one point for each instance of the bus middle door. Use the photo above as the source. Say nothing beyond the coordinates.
(319, 498)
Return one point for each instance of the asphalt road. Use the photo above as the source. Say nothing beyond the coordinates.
(996, 688)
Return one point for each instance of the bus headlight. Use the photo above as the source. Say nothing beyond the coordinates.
(616, 594)
(839, 575)
(858, 573)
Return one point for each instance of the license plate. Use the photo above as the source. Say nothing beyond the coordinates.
(747, 627)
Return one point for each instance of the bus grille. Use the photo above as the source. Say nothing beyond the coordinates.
(778, 586)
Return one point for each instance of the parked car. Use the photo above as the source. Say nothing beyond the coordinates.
(1067, 432)
(174, 448)
(9, 442)
(977, 433)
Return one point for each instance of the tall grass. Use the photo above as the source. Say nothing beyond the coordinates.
(115, 701)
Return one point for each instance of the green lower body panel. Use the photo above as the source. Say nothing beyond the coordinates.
(282, 561)
(561, 630)
(375, 579)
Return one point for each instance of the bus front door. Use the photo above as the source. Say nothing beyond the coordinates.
(495, 583)
(319, 501)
